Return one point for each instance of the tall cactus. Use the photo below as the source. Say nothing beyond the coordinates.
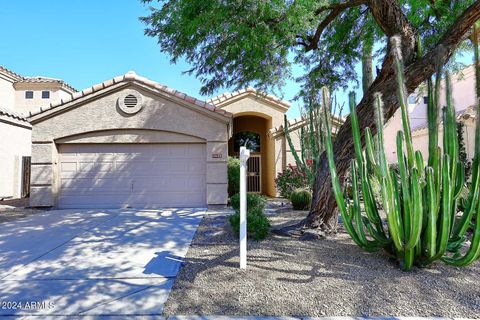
(311, 135)
(420, 205)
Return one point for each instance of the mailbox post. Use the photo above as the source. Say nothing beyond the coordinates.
(244, 155)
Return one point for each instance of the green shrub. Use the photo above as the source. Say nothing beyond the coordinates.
(254, 201)
(301, 199)
(257, 224)
(290, 179)
(233, 172)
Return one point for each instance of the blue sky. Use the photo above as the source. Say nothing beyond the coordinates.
(86, 42)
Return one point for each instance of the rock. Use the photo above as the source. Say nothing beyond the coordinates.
(312, 235)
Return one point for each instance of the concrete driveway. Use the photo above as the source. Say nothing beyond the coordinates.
(93, 262)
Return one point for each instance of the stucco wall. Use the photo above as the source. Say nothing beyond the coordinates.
(15, 143)
(99, 112)
(7, 93)
(249, 105)
(24, 106)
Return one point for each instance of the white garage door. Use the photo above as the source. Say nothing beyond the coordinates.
(132, 175)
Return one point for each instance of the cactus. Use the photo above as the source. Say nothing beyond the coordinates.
(312, 139)
(301, 199)
(420, 205)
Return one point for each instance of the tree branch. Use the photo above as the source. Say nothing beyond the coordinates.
(335, 9)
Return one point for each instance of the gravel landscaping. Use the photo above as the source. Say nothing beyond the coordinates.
(288, 277)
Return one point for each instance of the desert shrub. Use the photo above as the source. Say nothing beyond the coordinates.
(290, 179)
(301, 199)
(254, 201)
(258, 225)
(233, 172)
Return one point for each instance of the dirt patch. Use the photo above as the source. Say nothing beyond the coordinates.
(287, 277)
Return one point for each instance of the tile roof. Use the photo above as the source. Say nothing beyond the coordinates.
(131, 77)
(462, 114)
(227, 96)
(11, 114)
(39, 79)
(298, 122)
(10, 73)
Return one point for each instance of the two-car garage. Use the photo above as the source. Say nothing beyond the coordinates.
(132, 175)
(129, 142)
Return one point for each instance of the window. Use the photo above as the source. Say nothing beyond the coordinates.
(412, 99)
(45, 94)
(425, 100)
(28, 94)
(248, 139)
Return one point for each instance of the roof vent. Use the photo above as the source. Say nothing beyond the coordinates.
(130, 101)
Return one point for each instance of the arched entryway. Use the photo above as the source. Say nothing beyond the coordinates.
(251, 130)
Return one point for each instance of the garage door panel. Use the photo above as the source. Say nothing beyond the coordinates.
(137, 175)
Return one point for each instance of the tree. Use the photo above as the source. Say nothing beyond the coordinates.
(251, 42)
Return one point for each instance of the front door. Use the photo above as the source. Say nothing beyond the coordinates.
(254, 174)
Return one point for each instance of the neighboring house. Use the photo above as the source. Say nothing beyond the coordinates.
(132, 142)
(463, 93)
(18, 97)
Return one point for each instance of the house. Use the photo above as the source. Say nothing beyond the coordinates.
(19, 96)
(132, 142)
(464, 99)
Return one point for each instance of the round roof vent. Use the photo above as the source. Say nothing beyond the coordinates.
(130, 101)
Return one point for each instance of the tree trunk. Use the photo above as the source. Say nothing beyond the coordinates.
(323, 213)
(367, 64)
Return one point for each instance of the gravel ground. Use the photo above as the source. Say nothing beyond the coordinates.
(287, 277)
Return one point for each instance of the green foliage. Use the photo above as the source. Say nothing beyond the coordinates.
(290, 179)
(301, 199)
(233, 172)
(258, 225)
(225, 42)
(254, 202)
(421, 203)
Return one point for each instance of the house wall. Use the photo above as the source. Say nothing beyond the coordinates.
(24, 106)
(96, 118)
(273, 156)
(7, 92)
(15, 143)
(259, 125)
(463, 94)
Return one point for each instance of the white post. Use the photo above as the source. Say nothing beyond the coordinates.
(244, 155)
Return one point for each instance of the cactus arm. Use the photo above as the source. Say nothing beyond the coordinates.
(430, 246)
(404, 185)
(473, 252)
(445, 215)
(432, 115)
(459, 179)
(298, 161)
(402, 96)
(370, 154)
(464, 222)
(346, 216)
(417, 218)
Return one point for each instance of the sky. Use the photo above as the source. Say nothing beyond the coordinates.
(85, 42)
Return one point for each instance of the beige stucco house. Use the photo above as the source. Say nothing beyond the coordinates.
(463, 93)
(132, 142)
(19, 96)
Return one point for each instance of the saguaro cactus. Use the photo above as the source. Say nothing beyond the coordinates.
(419, 206)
